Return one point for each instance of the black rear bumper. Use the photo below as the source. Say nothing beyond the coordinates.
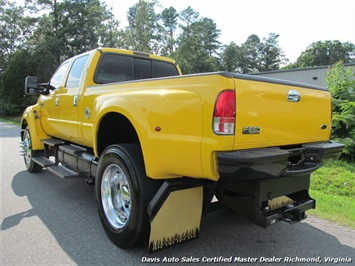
(270, 185)
(275, 162)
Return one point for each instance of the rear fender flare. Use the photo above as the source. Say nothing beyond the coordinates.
(118, 105)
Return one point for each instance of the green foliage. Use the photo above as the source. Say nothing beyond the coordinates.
(323, 53)
(333, 186)
(197, 44)
(15, 28)
(341, 83)
(335, 178)
(70, 27)
(254, 55)
(169, 18)
(12, 101)
(141, 32)
(36, 45)
(335, 208)
(229, 57)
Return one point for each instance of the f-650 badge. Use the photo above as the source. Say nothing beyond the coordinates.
(251, 130)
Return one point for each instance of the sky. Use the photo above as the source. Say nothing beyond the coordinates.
(299, 23)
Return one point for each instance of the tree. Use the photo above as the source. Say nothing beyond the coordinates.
(169, 17)
(254, 55)
(19, 66)
(140, 34)
(15, 28)
(37, 45)
(229, 57)
(188, 16)
(47, 36)
(341, 83)
(271, 55)
(209, 35)
(109, 33)
(81, 23)
(197, 44)
(326, 53)
(70, 27)
(248, 55)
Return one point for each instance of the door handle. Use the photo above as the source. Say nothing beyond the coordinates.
(294, 96)
(75, 100)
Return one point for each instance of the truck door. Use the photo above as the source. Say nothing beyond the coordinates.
(68, 102)
(49, 104)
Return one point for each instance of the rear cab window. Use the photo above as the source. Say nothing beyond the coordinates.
(119, 68)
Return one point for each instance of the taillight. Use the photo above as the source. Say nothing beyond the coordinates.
(224, 113)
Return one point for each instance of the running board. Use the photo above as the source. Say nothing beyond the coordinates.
(56, 169)
(52, 142)
(43, 161)
(62, 171)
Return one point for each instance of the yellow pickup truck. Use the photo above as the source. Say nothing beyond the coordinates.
(161, 147)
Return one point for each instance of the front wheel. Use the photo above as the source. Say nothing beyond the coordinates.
(28, 153)
(123, 192)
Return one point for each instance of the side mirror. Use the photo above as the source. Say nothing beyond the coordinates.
(31, 85)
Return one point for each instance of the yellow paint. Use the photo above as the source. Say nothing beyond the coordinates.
(281, 122)
(34, 125)
(182, 107)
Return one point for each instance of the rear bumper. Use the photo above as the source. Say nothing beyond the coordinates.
(275, 162)
(270, 185)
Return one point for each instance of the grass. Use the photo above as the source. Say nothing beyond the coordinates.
(333, 186)
(11, 119)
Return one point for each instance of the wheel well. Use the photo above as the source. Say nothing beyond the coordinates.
(23, 126)
(114, 129)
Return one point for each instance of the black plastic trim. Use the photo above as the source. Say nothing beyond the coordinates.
(275, 162)
(278, 81)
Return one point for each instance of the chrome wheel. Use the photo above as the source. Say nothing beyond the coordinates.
(123, 192)
(27, 148)
(28, 153)
(115, 196)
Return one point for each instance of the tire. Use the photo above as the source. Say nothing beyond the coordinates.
(123, 192)
(28, 153)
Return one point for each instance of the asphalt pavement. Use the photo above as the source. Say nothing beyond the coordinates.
(45, 220)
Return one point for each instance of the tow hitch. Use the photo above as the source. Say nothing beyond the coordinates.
(266, 202)
(291, 210)
(294, 215)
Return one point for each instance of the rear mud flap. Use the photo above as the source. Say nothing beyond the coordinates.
(266, 202)
(175, 214)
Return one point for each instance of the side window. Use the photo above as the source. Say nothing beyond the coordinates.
(58, 76)
(163, 69)
(76, 71)
(142, 68)
(113, 68)
(116, 68)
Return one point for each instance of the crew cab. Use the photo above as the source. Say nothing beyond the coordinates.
(159, 145)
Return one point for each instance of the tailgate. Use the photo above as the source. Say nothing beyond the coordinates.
(273, 112)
